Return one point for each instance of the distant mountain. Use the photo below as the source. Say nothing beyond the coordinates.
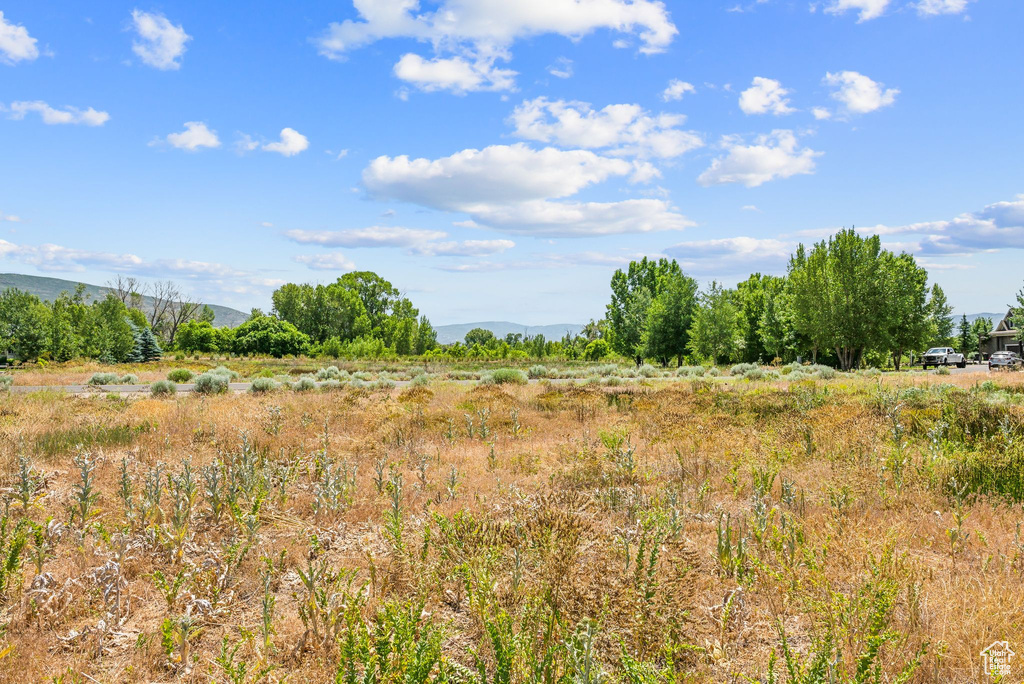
(995, 317)
(446, 334)
(49, 289)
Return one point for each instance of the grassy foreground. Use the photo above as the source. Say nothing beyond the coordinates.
(848, 530)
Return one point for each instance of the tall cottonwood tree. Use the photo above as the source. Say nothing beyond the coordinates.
(839, 294)
(905, 311)
(941, 317)
(633, 292)
(669, 318)
(716, 333)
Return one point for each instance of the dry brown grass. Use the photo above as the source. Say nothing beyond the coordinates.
(574, 506)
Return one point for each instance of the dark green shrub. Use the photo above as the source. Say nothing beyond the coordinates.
(163, 388)
(180, 375)
(211, 383)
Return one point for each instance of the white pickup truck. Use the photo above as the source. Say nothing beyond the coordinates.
(943, 356)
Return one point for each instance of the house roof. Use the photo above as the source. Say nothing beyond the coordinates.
(1004, 326)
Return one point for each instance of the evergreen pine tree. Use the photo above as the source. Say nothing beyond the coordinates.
(147, 346)
(135, 355)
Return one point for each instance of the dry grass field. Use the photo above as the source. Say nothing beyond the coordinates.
(849, 530)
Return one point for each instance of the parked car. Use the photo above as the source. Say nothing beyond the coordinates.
(1005, 359)
(943, 356)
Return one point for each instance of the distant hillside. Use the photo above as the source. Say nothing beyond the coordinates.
(995, 317)
(49, 289)
(446, 334)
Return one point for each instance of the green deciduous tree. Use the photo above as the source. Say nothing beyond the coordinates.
(903, 311)
(633, 292)
(980, 329)
(1017, 314)
(669, 318)
(479, 336)
(838, 292)
(269, 336)
(941, 317)
(716, 333)
(426, 336)
(775, 327)
(111, 338)
(23, 324)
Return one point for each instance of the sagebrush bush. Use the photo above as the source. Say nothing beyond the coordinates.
(162, 388)
(942, 370)
(211, 383)
(505, 376)
(870, 372)
(823, 372)
(329, 373)
(754, 373)
(713, 372)
(741, 368)
(180, 375)
(5, 382)
(613, 381)
(690, 371)
(104, 379)
(384, 383)
(129, 379)
(791, 367)
(304, 384)
(606, 370)
(648, 371)
(331, 385)
(538, 371)
(226, 372)
(263, 385)
(421, 380)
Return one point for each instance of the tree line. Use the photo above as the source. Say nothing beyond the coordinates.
(844, 300)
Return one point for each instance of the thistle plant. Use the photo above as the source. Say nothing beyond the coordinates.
(85, 494)
(26, 486)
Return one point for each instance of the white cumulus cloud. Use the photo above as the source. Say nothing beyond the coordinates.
(676, 89)
(623, 129)
(732, 255)
(935, 7)
(868, 9)
(291, 143)
(996, 227)
(195, 135)
(16, 44)
(562, 68)
(457, 74)
(511, 188)
(160, 44)
(326, 262)
(469, 35)
(858, 93)
(765, 95)
(412, 240)
(773, 156)
(374, 236)
(53, 116)
(493, 175)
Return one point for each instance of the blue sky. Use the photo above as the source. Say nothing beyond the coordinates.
(499, 160)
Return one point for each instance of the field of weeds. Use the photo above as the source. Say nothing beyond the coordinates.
(846, 530)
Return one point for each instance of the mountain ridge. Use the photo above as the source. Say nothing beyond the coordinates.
(48, 289)
(456, 332)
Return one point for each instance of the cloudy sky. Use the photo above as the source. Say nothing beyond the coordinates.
(498, 160)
